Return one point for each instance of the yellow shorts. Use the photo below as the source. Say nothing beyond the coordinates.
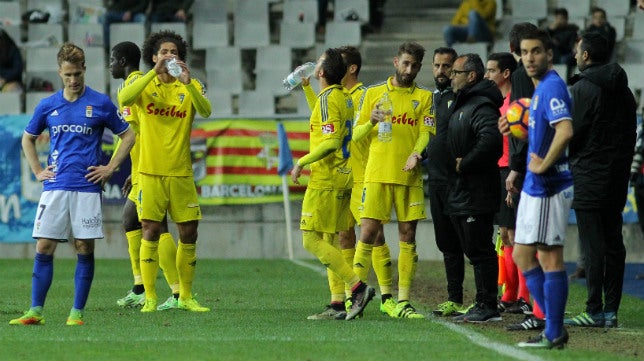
(176, 195)
(135, 195)
(356, 203)
(378, 198)
(326, 211)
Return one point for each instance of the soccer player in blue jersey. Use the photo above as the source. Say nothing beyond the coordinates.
(547, 192)
(75, 117)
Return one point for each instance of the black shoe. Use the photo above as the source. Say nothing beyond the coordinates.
(478, 314)
(502, 306)
(530, 322)
(520, 307)
(360, 299)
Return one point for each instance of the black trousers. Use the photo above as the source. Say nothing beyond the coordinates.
(447, 242)
(600, 232)
(475, 233)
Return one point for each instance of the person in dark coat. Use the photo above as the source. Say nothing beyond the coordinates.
(475, 145)
(601, 152)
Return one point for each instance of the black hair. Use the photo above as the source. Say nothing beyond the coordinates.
(351, 56)
(333, 66)
(128, 51)
(445, 50)
(538, 34)
(153, 43)
(504, 60)
(596, 45)
(561, 11)
(516, 34)
(473, 63)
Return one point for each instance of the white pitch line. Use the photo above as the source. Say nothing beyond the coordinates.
(475, 337)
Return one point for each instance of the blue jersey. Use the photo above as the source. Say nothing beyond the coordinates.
(75, 133)
(550, 104)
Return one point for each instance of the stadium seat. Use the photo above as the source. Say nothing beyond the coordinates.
(270, 81)
(499, 10)
(251, 28)
(95, 78)
(230, 79)
(347, 10)
(10, 103)
(221, 102)
(533, 9)
(576, 8)
(33, 98)
(297, 35)
(614, 7)
(53, 7)
(44, 31)
(15, 32)
(208, 35)
(223, 57)
(634, 52)
(86, 34)
(10, 13)
(208, 11)
(86, 11)
(178, 28)
(41, 59)
(274, 58)
(300, 11)
(475, 48)
(134, 32)
(339, 33)
(638, 25)
(256, 104)
(619, 23)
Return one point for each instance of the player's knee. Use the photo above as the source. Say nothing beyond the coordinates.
(310, 241)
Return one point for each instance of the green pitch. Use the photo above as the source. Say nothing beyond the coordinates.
(259, 313)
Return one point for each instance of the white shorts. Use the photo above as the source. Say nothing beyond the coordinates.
(543, 221)
(64, 213)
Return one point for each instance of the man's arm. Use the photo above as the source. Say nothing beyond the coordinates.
(102, 173)
(201, 103)
(128, 94)
(325, 148)
(31, 154)
(563, 134)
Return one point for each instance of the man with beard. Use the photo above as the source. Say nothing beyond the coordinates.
(475, 146)
(392, 177)
(438, 166)
(601, 152)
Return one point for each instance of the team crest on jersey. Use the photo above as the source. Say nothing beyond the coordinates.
(181, 97)
(127, 111)
(88, 111)
(415, 103)
(429, 121)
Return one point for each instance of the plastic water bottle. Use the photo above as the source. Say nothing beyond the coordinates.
(385, 127)
(174, 69)
(295, 78)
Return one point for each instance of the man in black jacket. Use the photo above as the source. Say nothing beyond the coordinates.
(601, 152)
(438, 165)
(475, 145)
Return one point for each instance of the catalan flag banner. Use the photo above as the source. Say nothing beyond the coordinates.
(236, 161)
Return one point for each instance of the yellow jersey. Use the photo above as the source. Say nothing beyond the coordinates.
(413, 113)
(166, 113)
(131, 116)
(331, 118)
(359, 149)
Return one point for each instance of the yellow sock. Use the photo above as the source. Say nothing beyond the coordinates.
(330, 256)
(336, 285)
(381, 259)
(134, 249)
(362, 260)
(348, 255)
(149, 267)
(407, 260)
(186, 261)
(168, 261)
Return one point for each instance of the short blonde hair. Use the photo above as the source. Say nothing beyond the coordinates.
(71, 53)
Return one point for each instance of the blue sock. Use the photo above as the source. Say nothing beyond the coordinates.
(534, 279)
(83, 279)
(41, 278)
(556, 293)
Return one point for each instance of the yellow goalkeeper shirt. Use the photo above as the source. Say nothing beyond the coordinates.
(413, 115)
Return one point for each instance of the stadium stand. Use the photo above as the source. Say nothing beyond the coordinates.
(11, 103)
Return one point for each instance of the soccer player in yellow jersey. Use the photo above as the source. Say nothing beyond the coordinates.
(124, 64)
(325, 209)
(392, 177)
(166, 108)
